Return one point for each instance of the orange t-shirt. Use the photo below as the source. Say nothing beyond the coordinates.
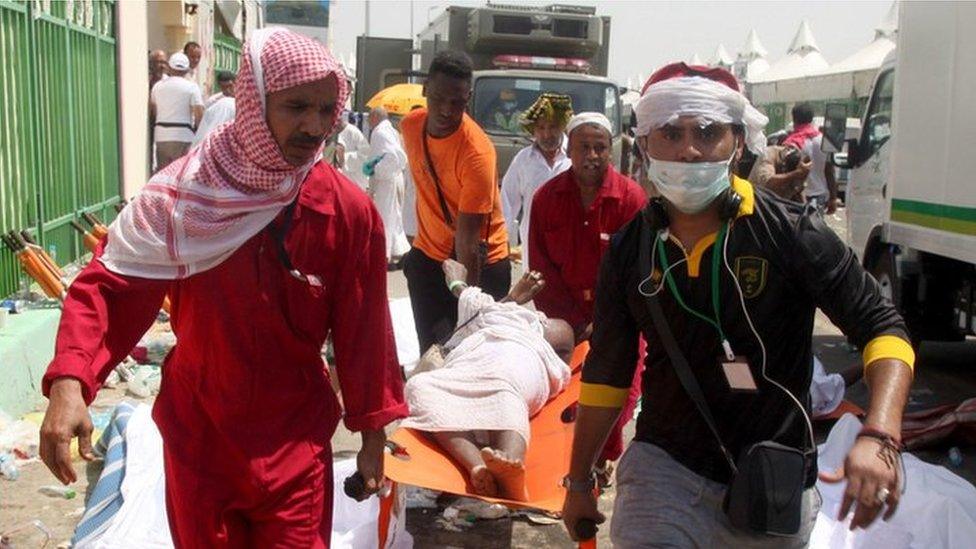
(465, 164)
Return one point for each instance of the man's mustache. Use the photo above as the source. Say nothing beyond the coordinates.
(306, 140)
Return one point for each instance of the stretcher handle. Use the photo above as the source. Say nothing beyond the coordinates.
(10, 242)
(25, 234)
(585, 529)
(92, 219)
(77, 226)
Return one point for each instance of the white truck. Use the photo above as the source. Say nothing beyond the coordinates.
(911, 199)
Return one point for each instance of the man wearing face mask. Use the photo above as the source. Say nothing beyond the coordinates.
(545, 158)
(723, 281)
(573, 216)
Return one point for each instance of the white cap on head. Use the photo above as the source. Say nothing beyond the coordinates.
(595, 118)
(179, 62)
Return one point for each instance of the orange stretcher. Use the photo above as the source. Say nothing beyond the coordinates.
(418, 461)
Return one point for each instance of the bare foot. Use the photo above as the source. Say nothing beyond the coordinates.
(483, 481)
(508, 473)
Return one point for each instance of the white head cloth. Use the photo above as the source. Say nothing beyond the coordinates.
(711, 101)
(596, 118)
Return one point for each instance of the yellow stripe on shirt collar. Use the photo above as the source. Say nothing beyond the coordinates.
(745, 190)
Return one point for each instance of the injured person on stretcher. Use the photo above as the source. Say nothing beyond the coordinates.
(503, 363)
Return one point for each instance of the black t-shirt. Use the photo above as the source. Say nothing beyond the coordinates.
(788, 263)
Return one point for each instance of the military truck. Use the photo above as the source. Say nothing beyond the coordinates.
(518, 53)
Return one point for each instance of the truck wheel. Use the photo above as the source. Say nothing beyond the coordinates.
(882, 268)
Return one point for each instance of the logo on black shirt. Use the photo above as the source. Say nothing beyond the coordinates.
(751, 272)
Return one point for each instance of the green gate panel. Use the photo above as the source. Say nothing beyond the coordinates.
(59, 142)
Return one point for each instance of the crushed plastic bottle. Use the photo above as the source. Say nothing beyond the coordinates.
(955, 456)
(65, 492)
(8, 468)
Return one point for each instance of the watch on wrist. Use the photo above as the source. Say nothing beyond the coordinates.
(586, 486)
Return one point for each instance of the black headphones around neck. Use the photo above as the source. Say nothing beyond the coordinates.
(656, 214)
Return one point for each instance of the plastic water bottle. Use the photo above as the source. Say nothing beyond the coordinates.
(8, 469)
(65, 492)
(955, 456)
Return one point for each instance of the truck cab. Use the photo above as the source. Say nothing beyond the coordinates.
(911, 199)
(520, 52)
(492, 88)
(866, 194)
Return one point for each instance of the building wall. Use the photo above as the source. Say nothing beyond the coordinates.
(133, 40)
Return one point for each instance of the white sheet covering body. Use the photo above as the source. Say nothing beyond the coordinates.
(499, 372)
(386, 184)
(938, 508)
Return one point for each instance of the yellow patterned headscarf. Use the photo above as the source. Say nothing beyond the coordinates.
(549, 106)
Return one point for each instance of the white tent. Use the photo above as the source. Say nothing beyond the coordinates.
(802, 58)
(721, 58)
(751, 62)
(871, 56)
(696, 60)
(850, 77)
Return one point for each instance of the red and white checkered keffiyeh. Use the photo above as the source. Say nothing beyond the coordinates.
(196, 212)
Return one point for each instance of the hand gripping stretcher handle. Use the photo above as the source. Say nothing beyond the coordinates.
(355, 486)
(585, 529)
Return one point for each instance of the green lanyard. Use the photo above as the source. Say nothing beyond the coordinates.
(716, 262)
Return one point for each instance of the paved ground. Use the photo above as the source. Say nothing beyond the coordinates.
(944, 374)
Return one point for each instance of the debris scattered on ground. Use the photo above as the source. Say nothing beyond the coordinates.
(154, 346)
(145, 380)
(542, 518)
(63, 492)
(8, 468)
(420, 498)
(470, 510)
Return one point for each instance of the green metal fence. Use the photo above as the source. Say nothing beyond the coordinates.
(227, 54)
(59, 153)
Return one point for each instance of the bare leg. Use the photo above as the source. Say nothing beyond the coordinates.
(509, 443)
(462, 447)
(505, 462)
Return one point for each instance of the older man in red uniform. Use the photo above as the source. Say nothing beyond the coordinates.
(572, 218)
(264, 252)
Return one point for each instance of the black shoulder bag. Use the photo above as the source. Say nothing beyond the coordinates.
(448, 218)
(765, 494)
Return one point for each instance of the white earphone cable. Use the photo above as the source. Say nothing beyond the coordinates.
(762, 346)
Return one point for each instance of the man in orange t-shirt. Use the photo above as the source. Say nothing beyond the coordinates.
(459, 210)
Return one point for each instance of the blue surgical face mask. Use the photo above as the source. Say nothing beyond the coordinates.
(689, 186)
(509, 105)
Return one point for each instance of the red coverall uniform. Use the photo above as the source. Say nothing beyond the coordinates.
(566, 244)
(246, 410)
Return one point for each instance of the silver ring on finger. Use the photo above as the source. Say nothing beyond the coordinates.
(883, 494)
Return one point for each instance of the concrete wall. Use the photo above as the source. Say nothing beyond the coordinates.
(26, 348)
(132, 41)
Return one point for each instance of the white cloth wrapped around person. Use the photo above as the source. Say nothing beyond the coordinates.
(499, 372)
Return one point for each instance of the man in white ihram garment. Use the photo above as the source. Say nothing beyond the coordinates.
(384, 166)
(354, 148)
(544, 159)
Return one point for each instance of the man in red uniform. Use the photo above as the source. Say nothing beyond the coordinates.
(264, 252)
(573, 216)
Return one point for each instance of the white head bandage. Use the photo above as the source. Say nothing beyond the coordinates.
(710, 101)
(596, 118)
